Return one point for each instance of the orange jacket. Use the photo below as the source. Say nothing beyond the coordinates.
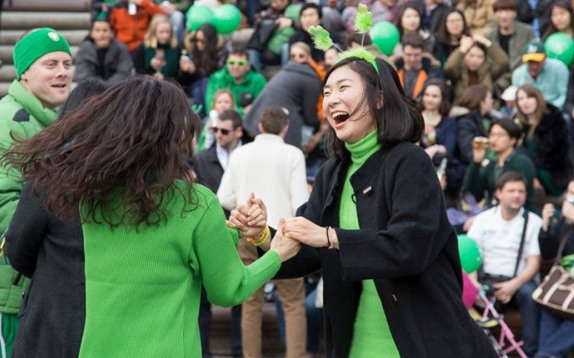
(131, 29)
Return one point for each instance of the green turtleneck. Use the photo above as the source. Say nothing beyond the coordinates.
(371, 337)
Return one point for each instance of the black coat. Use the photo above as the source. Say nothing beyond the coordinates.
(469, 125)
(405, 244)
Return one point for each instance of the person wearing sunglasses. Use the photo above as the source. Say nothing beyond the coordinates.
(208, 167)
(238, 77)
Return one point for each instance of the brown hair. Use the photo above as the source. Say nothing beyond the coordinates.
(531, 92)
(472, 96)
(274, 119)
(233, 116)
(505, 5)
(119, 154)
(510, 176)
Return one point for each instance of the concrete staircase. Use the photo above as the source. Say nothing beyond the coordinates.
(71, 18)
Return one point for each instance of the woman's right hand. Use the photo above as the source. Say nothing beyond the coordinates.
(478, 154)
(286, 248)
(250, 219)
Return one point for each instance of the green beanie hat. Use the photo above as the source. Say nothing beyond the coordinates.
(35, 45)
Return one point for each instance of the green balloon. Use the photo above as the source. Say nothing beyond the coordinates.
(560, 46)
(385, 36)
(469, 254)
(198, 15)
(226, 19)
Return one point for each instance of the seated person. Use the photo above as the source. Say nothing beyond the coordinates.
(413, 67)
(482, 173)
(507, 235)
(101, 56)
(310, 15)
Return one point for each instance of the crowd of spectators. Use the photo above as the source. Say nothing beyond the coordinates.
(492, 99)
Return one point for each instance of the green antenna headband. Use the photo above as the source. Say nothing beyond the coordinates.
(363, 23)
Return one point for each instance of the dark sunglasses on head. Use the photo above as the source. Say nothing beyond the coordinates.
(222, 130)
(237, 62)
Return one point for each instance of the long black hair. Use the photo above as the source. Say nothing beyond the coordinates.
(397, 120)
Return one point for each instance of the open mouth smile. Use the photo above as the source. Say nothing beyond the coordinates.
(340, 117)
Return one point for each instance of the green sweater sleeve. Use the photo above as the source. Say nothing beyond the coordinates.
(227, 281)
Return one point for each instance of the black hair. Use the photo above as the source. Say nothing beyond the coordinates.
(311, 6)
(445, 104)
(397, 119)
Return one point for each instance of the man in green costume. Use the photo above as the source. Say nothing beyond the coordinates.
(43, 64)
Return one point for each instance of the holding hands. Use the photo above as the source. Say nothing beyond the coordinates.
(250, 219)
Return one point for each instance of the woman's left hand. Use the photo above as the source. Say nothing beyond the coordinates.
(306, 232)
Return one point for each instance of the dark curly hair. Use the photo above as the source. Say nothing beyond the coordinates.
(119, 154)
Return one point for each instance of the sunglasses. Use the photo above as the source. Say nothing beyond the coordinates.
(237, 62)
(222, 130)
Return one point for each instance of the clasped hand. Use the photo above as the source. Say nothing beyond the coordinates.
(250, 219)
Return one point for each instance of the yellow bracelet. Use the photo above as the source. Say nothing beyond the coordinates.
(261, 239)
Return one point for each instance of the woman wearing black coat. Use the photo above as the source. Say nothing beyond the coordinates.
(376, 226)
(546, 139)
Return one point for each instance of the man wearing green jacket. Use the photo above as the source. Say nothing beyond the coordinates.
(238, 77)
(481, 174)
(43, 64)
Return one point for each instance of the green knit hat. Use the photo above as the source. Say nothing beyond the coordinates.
(35, 45)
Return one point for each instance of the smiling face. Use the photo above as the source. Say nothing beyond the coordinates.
(411, 20)
(345, 107)
(50, 78)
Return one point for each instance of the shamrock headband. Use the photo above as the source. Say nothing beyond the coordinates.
(363, 23)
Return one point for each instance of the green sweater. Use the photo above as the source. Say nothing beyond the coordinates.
(22, 115)
(371, 334)
(143, 286)
(480, 179)
(253, 83)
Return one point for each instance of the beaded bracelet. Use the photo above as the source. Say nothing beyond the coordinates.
(261, 239)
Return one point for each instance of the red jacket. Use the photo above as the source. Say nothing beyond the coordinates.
(131, 29)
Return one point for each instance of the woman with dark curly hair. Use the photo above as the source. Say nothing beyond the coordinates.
(116, 238)
(205, 53)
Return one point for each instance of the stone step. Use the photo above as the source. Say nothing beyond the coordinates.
(18, 20)
(6, 53)
(74, 37)
(47, 5)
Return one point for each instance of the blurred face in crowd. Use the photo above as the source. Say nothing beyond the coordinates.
(454, 24)
(413, 57)
(432, 98)
(50, 78)
(500, 140)
(199, 41)
(223, 102)
(331, 56)
(298, 55)
(308, 18)
(474, 58)
(101, 33)
(526, 105)
(344, 105)
(486, 104)
(225, 135)
(237, 66)
(512, 196)
(388, 3)
(560, 18)
(505, 18)
(534, 68)
(410, 20)
(163, 32)
(279, 5)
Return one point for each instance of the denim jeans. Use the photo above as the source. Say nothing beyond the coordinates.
(529, 315)
(556, 335)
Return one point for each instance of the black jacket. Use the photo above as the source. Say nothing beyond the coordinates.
(469, 125)
(405, 244)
